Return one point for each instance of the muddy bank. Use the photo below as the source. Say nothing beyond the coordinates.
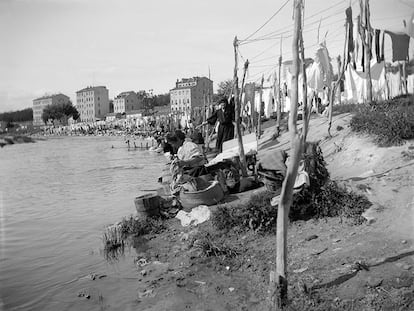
(333, 264)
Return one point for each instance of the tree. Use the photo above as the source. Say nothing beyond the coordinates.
(17, 116)
(224, 89)
(60, 112)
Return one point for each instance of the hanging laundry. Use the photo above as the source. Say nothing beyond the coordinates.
(377, 45)
(394, 83)
(400, 44)
(315, 77)
(351, 47)
(409, 26)
(322, 56)
(382, 46)
(356, 83)
(357, 44)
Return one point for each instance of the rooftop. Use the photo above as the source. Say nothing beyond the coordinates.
(49, 96)
(90, 88)
(124, 94)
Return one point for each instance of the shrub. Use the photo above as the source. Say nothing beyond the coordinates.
(302, 205)
(210, 245)
(390, 122)
(140, 226)
(257, 214)
(335, 200)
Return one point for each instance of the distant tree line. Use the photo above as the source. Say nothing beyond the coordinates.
(60, 112)
(150, 101)
(17, 116)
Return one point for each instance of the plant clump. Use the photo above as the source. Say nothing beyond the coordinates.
(211, 245)
(390, 122)
(114, 242)
(140, 226)
(334, 200)
(257, 214)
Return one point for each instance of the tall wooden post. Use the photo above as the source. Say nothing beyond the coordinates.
(259, 121)
(306, 111)
(404, 75)
(246, 65)
(338, 92)
(341, 71)
(276, 99)
(365, 30)
(243, 163)
(279, 106)
(278, 280)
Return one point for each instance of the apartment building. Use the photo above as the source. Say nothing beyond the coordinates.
(40, 103)
(191, 93)
(92, 103)
(126, 102)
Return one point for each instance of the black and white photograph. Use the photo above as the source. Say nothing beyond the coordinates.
(206, 155)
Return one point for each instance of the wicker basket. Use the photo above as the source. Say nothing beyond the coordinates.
(272, 183)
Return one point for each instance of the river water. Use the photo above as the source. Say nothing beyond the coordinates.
(56, 197)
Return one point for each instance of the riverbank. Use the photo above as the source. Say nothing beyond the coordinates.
(332, 263)
(6, 139)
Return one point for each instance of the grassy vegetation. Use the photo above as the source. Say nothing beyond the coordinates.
(210, 244)
(114, 243)
(257, 214)
(140, 226)
(389, 122)
(114, 237)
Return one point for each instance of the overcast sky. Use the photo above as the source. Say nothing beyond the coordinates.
(51, 46)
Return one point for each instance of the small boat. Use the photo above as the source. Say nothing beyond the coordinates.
(208, 196)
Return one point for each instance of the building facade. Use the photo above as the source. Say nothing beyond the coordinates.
(40, 103)
(127, 101)
(92, 103)
(191, 93)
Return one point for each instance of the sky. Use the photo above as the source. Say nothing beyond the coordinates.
(62, 46)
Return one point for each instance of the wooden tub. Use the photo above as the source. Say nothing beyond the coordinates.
(208, 196)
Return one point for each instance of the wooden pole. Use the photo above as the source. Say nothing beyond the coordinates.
(246, 65)
(306, 112)
(243, 164)
(338, 81)
(365, 31)
(259, 121)
(279, 106)
(276, 99)
(338, 93)
(405, 77)
(278, 280)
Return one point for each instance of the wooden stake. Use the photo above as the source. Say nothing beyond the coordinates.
(279, 106)
(243, 164)
(259, 121)
(278, 279)
(365, 30)
(306, 112)
(341, 73)
(246, 65)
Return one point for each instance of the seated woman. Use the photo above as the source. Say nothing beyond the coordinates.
(188, 162)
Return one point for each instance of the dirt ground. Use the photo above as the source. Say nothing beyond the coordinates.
(332, 264)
